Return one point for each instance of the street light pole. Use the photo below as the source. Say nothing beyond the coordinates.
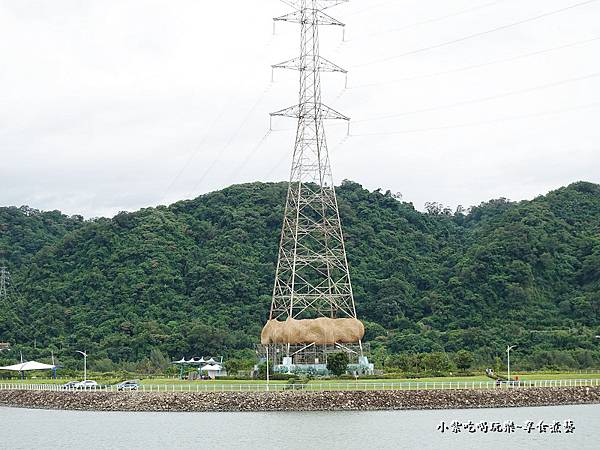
(508, 349)
(84, 364)
(267, 367)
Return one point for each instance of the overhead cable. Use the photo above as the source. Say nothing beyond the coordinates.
(474, 35)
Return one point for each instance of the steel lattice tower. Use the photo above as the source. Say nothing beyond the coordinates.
(312, 278)
(4, 300)
(4, 282)
(9, 302)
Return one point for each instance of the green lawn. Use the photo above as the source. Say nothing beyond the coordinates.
(172, 381)
(557, 376)
(177, 382)
(317, 381)
(51, 381)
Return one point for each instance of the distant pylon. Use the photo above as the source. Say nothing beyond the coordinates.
(4, 283)
(312, 278)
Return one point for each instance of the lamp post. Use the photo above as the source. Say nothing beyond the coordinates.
(508, 349)
(267, 367)
(84, 364)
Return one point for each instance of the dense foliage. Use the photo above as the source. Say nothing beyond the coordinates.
(195, 278)
(337, 363)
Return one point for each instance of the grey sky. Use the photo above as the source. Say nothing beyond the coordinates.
(119, 104)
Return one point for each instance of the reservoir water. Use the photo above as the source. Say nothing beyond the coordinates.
(27, 429)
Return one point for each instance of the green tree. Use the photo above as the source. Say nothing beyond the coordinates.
(262, 370)
(194, 278)
(337, 363)
(437, 362)
(159, 362)
(464, 359)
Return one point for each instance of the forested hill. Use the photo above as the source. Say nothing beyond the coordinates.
(195, 278)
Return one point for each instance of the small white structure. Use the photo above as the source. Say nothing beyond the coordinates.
(212, 370)
(27, 366)
(205, 364)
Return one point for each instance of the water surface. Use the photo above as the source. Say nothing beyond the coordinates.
(27, 429)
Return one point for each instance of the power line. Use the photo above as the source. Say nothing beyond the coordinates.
(281, 160)
(435, 19)
(483, 122)
(285, 156)
(206, 134)
(369, 8)
(195, 152)
(473, 66)
(482, 33)
(484, 99)
(250, 154)
(232, 137)
(331, 125)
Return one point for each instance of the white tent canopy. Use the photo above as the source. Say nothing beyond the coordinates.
(29, 365)
(196, 360)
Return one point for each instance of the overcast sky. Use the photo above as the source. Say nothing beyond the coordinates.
(119, 104)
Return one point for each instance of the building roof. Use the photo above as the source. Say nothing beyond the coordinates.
(212, 367)
(29, 365)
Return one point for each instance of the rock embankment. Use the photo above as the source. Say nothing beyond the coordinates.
(300, 401)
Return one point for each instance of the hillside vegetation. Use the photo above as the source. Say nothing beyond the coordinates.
(195, 278)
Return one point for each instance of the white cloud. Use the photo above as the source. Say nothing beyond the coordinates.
(122, 104)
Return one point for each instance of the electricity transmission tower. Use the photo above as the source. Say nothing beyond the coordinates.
(4, 282)
(312, 278)
(312, 271)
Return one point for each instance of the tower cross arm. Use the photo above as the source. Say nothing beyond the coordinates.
(312, 63)
(322, 4)
(320, 18)
(310, 110)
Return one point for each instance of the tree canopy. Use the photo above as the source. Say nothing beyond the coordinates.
(195, 277)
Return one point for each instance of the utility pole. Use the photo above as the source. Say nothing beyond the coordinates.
(267, 368)
(84, 364)
(508, 349)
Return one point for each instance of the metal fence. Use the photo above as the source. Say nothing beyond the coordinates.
(315, 386)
